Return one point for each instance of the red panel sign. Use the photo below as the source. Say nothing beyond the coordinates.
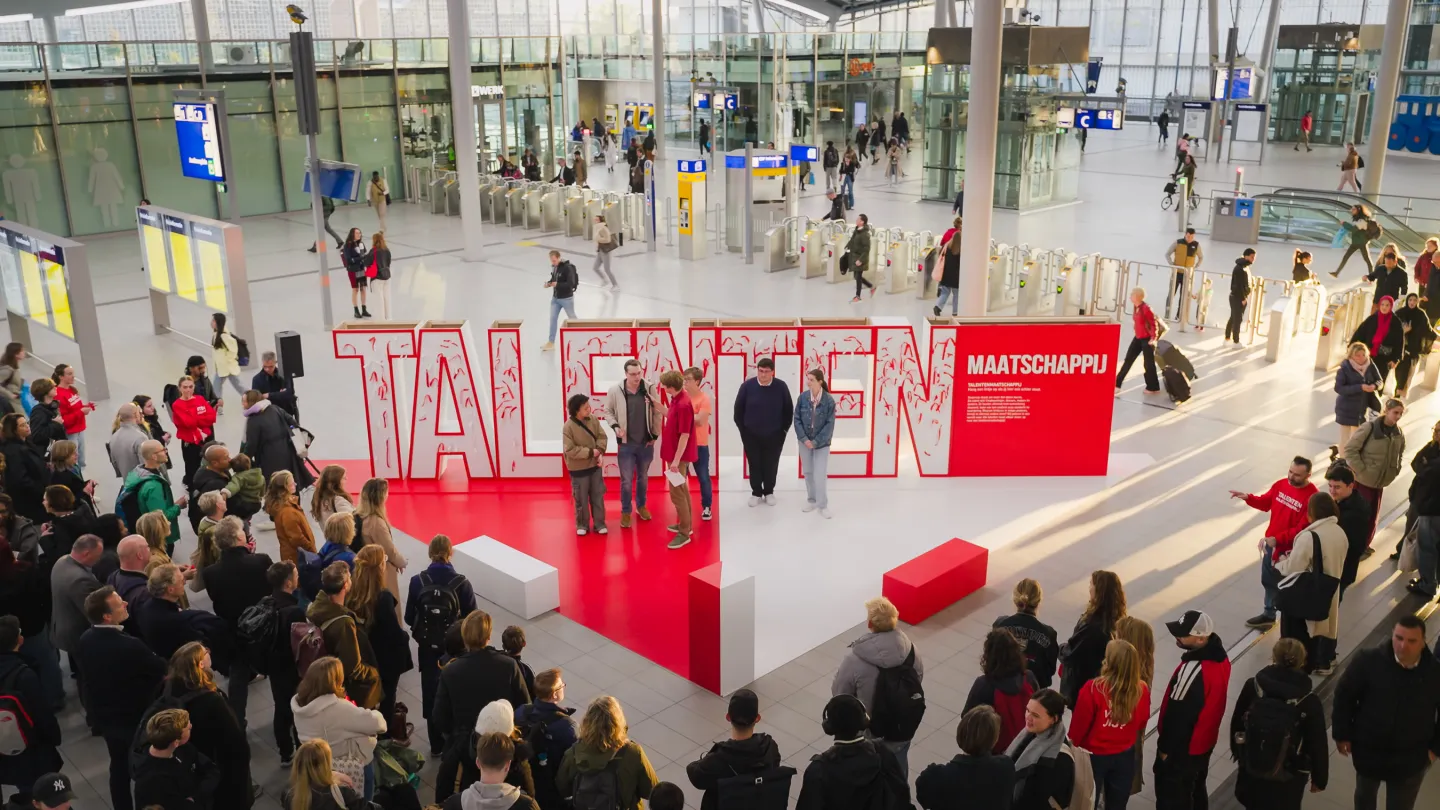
(1033, 398)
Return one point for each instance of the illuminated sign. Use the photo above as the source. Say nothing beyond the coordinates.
(693, 166)
(198, 136)
(33, 277)
(758, 162)
(1099, 119)
(702, 101)
(1065, 117)
(799, 152)
(857, 67)
(487, 90)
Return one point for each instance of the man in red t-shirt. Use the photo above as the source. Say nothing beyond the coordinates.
(1307, 123)
(1286, 501)
(678, 452)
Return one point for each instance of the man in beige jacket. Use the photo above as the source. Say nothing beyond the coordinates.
(632, 409)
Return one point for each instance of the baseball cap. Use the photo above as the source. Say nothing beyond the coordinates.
(744, 708)
(1193, 623)
(52, 790)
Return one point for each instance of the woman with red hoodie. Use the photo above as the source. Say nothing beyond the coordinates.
(1108, 716)
(72, 407)
(194, 425)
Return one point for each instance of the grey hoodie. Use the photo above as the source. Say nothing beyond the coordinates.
(494, 797)
(869, 654)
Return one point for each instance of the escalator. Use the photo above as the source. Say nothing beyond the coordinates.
(1312, 216)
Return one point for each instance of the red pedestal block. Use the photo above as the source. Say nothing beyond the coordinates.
(936, 579)
(704, 593)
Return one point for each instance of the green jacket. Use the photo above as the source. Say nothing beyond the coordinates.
(247, 486)
(152, 490)
(858, 249)
(1375, 453)
(632, 770)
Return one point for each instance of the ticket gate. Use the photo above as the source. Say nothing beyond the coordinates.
(487, 201)
(1079, 278)
(515, 204)
(614, 213)
(500, 202)
(452, 198)
(834, 249)
(1002, 283)
(552, 208)
(812, 247)
(531, 210)
(437, 193)
(1039, 283)
(903, 270)
(782, 244)
(594, 207)
(576, 207)
(634, 212)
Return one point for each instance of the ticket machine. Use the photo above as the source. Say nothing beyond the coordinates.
(691, 209)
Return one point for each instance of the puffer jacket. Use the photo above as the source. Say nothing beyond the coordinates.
(350, 730)
(1376, 453)
(1351, 402)
(858, 249)
(860, 670)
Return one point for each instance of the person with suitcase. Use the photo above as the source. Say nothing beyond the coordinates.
(1147, 330)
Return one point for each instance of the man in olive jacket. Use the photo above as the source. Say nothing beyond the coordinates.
(857, 255)
(343, 638)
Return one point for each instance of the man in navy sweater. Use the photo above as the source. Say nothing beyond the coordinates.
(763, 412)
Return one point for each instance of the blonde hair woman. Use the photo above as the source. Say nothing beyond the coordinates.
(375, 530)
(155, 528)
(377, 612)
(603, 740)
(1356, 383)
(292, 530)
(323, 712)
(1109, 717)
(330, 496)
(214, 730)
(314, 784)
(1142, 637)
(1041, 642)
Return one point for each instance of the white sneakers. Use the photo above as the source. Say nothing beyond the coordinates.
(754, 500)
(581, 532)
(808, 507)
(602, 531)
(825, 513)
(769, 500)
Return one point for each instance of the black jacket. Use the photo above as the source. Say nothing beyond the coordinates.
(236, 581)
(566, 279)
(729, 758)
(854, 776)
(324, 800)
(133, 674)
(565, 176)
(26, 476)
(1391, 349)
(389, 640)
(967, 783)
(186, 781)
(1240, 280)
(281, 394)
(1040, 642)
(1082, 656)
(219, 736)
(1425, 486)
(831, 158)
(74, 482)
(166, 628)
(282, 659)
(41, 756)
(1389, 715)
(205, 480)
(1310, 753)
(131, 585)
(1355, 520)
(59, 534)
(46, 426)
(1393, 282)
(25, 594)
(837, 208)
(267, 441)
(1420, 336)
(468, 684)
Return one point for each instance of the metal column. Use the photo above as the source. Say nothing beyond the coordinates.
(657, 118)
(462, 118)
(1391, 53)
(1267, 53)
(1216, 135)
(980, 154)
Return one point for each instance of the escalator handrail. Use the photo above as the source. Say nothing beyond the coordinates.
(1409, 239)
(1359, 199)
(1396, 224)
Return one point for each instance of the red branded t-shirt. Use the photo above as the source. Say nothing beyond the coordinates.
(679, 421)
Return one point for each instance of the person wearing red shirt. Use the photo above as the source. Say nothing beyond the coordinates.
(1286, 501)
(194, 425)
(678, 452)
(72, 407)
(1147, 331)
(1307, 123)
(1109, 713)
(1190, 714)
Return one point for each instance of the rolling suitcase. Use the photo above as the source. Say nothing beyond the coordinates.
(1175, 384)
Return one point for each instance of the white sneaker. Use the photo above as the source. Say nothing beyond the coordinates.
(769, 500)
(754, 500)
(547, 347)
(825, 513)
(602, 530)
(808, 507)
(705, 513)
(581, 532)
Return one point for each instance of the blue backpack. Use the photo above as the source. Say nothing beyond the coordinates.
(312, 565)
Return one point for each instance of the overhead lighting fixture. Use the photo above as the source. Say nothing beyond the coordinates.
(16, 18)
(130, 6)
(799, 9)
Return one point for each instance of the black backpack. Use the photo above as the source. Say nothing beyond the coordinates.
(1271, 736)
(597, 790)
(258, 629)
(766, 790)
(547, 754)
(439, 607)
(242, 352)
(899, 702)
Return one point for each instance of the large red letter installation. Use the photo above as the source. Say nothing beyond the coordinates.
(507, 382)
(901, 383)
(376, 349)
(445, 384)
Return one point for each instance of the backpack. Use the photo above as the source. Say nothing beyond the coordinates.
(1011, 709)
(313, 565)
(547, 753)
(258, 629)
(307, 642)
(439, 607)
(597, 790)
(766, 790)
(899, 702)
(242, 352)
(1082, 793)
(1373, 229)
(1271, 736)
(16, 727)
(127, 503)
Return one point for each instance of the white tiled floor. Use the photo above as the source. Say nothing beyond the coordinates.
(1169, 530)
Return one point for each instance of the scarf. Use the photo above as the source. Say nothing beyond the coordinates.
(1027, 749)
(1382, 323)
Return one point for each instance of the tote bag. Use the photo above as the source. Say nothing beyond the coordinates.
(1308, 594)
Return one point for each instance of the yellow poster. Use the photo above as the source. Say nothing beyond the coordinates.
(212, 274)
(184, 263)
(155, 258)
(54, 276)
(34, 290)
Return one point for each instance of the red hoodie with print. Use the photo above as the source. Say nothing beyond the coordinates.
(72, 409)
(1286, 504)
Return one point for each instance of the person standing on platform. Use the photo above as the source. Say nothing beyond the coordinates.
(1190, 714)
(1147, 331)
(1319, 637)
(814, 425)
(677, 451)
(584, 444)
(1039, 640)
(1307, 123)
(1239, 294)
(1184, 254)
(1163, 122)
(378, 195)
(704, 410)
(1376, 452)
(1286, 501)
(632, 409)
(764, 413)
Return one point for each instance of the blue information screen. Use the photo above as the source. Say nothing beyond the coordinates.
(799, 152)
(1099, 119)
(198, 135)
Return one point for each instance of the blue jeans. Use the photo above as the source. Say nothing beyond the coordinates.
(1270, 579)
(953, 293)
(815, 464)
(370, 781)
(702, 472)
(634, 467)
(847, 187)
(234, 383)
(901, 750)
(1113, 775)
(557, 304)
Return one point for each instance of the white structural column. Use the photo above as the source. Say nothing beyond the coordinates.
(202, 33)
(1267, 50)
(662, 169)
(1397, 24)
(1216, 136)
(980, 154)
(462, 116)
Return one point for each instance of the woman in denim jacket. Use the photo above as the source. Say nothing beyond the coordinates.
(814, 424)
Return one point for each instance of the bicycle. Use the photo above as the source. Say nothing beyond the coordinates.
(1171, 189)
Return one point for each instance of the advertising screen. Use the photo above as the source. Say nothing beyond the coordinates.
(52, 271)
(10, 276)
(152, 242)
(198, 136)
(181, 256)
(208, 255)
(30, 277)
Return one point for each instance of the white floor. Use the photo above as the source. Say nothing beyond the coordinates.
(1168, 528)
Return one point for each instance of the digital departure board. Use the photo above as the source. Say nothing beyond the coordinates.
(198, 135)
(211, 263)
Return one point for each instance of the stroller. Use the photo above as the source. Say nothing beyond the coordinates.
(1176, 371)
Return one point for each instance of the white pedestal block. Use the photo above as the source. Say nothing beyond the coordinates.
(511, 579)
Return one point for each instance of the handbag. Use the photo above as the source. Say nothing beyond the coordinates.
(371, 269)
(301, 439)
(1308, 594)
(1410, 549)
